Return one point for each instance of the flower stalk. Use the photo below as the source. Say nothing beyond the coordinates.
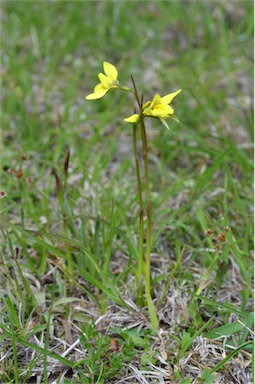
(158, 108)
(147, 259)
(144, 260)
(140, 300)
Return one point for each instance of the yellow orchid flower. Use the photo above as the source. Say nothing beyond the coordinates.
(132, 119)
(107, 81)
(159, 107)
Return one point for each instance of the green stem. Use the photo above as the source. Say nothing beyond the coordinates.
(147, 192)
(141, 219)
(136, 95)
(147, 261)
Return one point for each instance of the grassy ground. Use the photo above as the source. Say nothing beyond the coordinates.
(66, 315)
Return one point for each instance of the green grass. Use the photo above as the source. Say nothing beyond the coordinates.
(68, 262)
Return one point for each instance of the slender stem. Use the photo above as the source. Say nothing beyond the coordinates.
(147, 190)
(126, 89)
(136, 95)
(147, 261)
(137, 168)
(141, 216)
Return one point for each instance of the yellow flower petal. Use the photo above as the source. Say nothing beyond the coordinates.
(105, 80)
(96, 95)
(132, 119)
(163, 110)
(148, 112)
(155, 101)
(145, 105)
(168, 98)
(110, 70)
(99, 87)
